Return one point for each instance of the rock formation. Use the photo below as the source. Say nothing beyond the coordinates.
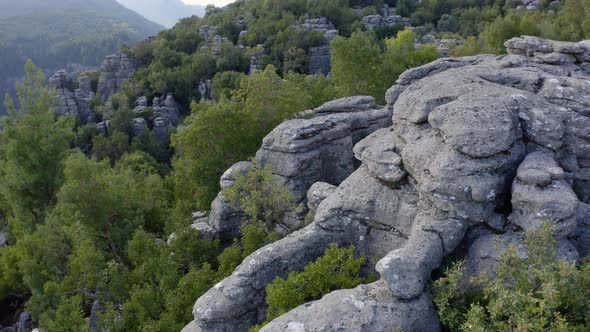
(321, 25)
(480, 151)
(320, 61)
(75, 102)
(374, 21)
(302, 152)
(165, 116)
(114, 70)
(319, 56)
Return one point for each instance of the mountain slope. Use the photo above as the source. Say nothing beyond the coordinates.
(165, 12)
(60, 32)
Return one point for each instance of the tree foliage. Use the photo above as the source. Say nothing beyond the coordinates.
(380, 68)
(538, 292)
(336, 269)
(33, 145)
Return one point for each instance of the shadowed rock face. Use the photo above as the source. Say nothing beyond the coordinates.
(76, 102)
(114, 70)
(492, 147)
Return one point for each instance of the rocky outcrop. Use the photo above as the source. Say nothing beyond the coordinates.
(319, 60)
(321, 25)
(212, 38)
(319, 56)
(302, 152)
(166, 116)
(114, 70)
(480, 151)
(76, 103)
(375, 21)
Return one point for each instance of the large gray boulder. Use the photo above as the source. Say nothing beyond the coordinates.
(77, 102)
(114, 70)
(365, 308)
(67, 104)
(493, 147)
(302, 152)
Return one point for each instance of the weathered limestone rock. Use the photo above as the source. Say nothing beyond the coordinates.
(374, 21)
(24, 322)
(205, 89)
(95, 312)
(67, 101)
(224, 219)
(162, 128)
(317, 193)
(485, 253)
(114, 70)
(540, 195)
(168, 110)
(302, 152)
(84, 96)
(138, 125)
(581, 239)
(365, 308)
(321, 25)
(497, 145)
(104, 127)
(75, 103)
(319, 60)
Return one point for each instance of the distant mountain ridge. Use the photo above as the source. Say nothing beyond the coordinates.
(58, 33)
(164, 12)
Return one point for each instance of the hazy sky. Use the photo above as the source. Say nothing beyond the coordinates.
(217, 3)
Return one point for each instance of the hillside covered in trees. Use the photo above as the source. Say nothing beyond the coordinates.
(99, 214)
(59, 33)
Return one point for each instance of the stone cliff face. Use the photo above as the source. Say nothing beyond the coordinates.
(114, 70)
(480, 151)
(75, 103)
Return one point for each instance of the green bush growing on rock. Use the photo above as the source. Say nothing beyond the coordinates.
(534, 293)
(336, 269)
(260, 196)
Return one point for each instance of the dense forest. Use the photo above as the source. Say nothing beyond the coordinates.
(103, 222)
(57, 33)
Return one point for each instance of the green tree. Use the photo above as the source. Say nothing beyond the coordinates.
(217, 135)
(536, 292)
(259, 195)
(447, 23)
(350, 77)
(295, 61)
(33, 144)
(226, 82)
(336, 269)
(110, 148)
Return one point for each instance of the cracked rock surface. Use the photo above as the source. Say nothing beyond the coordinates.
(489, 146)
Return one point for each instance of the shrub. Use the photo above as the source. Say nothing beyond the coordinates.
(336, 269)
(259, 195)
(534, 293)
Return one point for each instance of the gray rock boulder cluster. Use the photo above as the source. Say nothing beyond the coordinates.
(302, 152)
(480, 151)
(319, 56)
(75, 102)
(212, 38)
(321, 25)
(443, 46)
(371, 22)
(164, 118)
(319, 60)
(114, 70)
